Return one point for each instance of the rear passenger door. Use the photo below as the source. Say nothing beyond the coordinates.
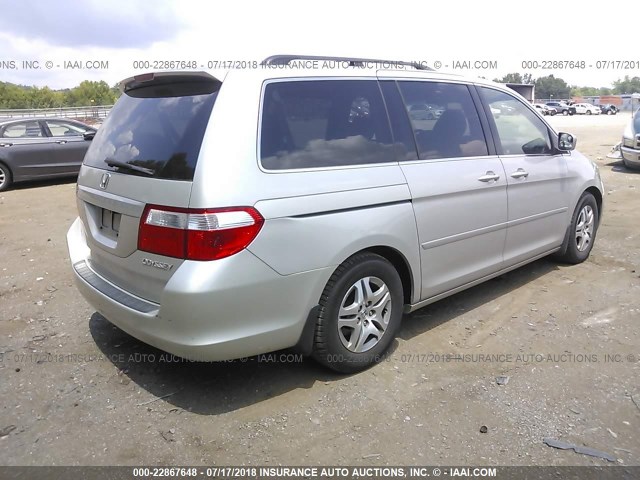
(457, 184)
(538, 193)
(27, 148)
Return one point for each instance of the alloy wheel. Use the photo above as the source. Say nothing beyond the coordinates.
(584, 228)
(364, 314)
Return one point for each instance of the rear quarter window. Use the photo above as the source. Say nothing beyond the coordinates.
(30, 129)
(324, 123)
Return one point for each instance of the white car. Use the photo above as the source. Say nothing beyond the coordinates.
(544, 109)
(587, 109)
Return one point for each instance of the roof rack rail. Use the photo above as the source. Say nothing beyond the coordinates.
(353, 62)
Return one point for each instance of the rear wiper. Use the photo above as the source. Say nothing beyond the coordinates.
(128, 166)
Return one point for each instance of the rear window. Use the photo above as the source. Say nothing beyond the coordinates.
(324, 123)
(156, 130)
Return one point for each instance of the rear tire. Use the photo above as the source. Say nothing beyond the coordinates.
(582, 231)
(360, 312)
(5, 177)
(588, 112)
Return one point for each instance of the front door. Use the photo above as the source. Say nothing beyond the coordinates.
(69, 146)
(537, 192)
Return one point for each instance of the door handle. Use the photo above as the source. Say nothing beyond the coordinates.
(520, 173)
(489, 177)
(61, 142)
(5, 144)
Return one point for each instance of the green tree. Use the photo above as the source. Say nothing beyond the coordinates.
(626, 85)
(515, 78)
(552, 87)
(45, 98)
(584, 91)
(13, 96)
(90, 93)
(509, 78)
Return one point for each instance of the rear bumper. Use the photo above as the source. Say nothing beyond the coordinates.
(210, 311)
(631, 156)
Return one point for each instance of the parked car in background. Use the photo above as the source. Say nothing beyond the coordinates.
(544, 109)
(630, 148)
(39, 148)
(505, 109)
(563, 108)
(423, 111)
(609, 109)
(331, 221)
(587, 109)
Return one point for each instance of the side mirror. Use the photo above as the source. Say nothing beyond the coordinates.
(89, 135)
(566, 142)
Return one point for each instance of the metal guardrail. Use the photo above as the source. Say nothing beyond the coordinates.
(97, 112)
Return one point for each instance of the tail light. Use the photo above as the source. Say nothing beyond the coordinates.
(197, 234)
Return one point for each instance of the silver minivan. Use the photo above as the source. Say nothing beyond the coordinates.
(284, 206)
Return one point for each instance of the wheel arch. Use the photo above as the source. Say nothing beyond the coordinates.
(597, 194)
(400, 263)
(393, 256)
(5, 164)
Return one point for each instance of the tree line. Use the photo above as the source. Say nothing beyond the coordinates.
(86, 94)
(89, 93)
(553, 87)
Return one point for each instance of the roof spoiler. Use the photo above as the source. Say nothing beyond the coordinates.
(165, 78)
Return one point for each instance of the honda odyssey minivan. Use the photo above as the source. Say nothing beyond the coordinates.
(285, 207)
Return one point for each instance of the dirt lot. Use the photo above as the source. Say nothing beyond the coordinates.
(117, 402)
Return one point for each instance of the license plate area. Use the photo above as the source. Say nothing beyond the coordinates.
(110, 223)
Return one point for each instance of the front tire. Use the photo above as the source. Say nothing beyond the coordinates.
(5, 177)
(629, 165)
(582, 231)
(565, 112)
(360, 313)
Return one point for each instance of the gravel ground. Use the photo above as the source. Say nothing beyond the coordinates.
(77, 391)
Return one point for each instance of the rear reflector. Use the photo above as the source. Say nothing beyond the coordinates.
(197, 234)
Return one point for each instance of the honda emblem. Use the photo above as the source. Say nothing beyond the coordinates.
(104, 181)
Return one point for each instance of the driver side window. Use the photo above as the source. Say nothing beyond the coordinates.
(520, 131)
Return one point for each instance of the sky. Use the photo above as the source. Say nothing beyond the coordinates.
(113, 39)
